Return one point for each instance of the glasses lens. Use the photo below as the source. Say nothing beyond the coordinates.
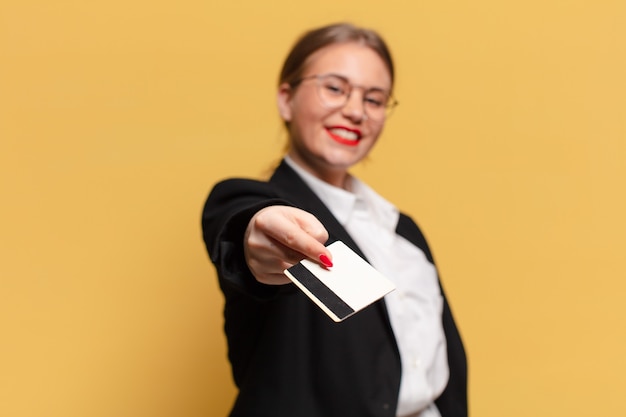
(333, 90)
(391, 105)
(375, 102)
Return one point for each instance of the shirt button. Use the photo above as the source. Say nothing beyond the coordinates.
(416, 363)
(385, 406)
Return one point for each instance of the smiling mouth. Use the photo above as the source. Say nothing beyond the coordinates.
(344, 136)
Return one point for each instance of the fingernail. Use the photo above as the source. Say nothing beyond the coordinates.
(325, 261)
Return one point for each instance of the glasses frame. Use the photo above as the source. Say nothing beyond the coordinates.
(390, 105)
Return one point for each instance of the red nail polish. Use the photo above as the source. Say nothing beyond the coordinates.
(325, 261)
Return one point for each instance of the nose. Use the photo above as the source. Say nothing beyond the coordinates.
(354, 109)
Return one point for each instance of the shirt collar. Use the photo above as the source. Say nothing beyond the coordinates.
(382, 211)
(339, 201)
(342, 203)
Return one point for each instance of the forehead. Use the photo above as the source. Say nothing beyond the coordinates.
(358, 63)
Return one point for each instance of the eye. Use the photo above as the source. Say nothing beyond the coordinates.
(334, 89)
(375, 99)
(373, 102)
(334, 86)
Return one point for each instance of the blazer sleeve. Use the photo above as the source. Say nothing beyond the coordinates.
(225, 217)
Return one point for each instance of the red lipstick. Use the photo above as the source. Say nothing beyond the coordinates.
(344, 135)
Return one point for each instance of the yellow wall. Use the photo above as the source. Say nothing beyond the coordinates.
(116, 117)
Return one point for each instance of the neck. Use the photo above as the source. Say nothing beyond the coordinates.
(338, 177)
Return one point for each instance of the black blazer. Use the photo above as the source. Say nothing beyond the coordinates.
(288, 358)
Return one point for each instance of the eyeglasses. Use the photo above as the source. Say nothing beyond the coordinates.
(334, 92)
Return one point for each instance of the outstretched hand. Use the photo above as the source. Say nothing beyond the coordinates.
(278, 237)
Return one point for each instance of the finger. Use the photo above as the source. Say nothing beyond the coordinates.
(296, 239)
(312, 226)
(267, 277)
(292, 236)
(297, 230)
(288, 256)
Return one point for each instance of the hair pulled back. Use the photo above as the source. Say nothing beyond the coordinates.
(316, 39)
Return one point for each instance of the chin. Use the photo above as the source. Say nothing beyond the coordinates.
(342, 163)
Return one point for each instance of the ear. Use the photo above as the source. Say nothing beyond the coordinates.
(283, 99)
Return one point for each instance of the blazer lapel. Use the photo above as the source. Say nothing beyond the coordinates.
(296, 191)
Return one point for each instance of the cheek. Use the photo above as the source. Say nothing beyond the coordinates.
(304, 128)
(377, 130)
(310, 120)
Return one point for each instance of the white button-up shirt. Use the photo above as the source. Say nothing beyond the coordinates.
(415, 307)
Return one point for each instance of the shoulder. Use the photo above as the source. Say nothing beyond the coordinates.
(282, 177)
(229, 184)
(235, 188)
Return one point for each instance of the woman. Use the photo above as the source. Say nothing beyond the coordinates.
(401, 356)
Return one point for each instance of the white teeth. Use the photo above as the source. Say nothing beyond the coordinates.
(346, 134)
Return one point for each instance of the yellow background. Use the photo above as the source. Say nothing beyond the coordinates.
(116, 117)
